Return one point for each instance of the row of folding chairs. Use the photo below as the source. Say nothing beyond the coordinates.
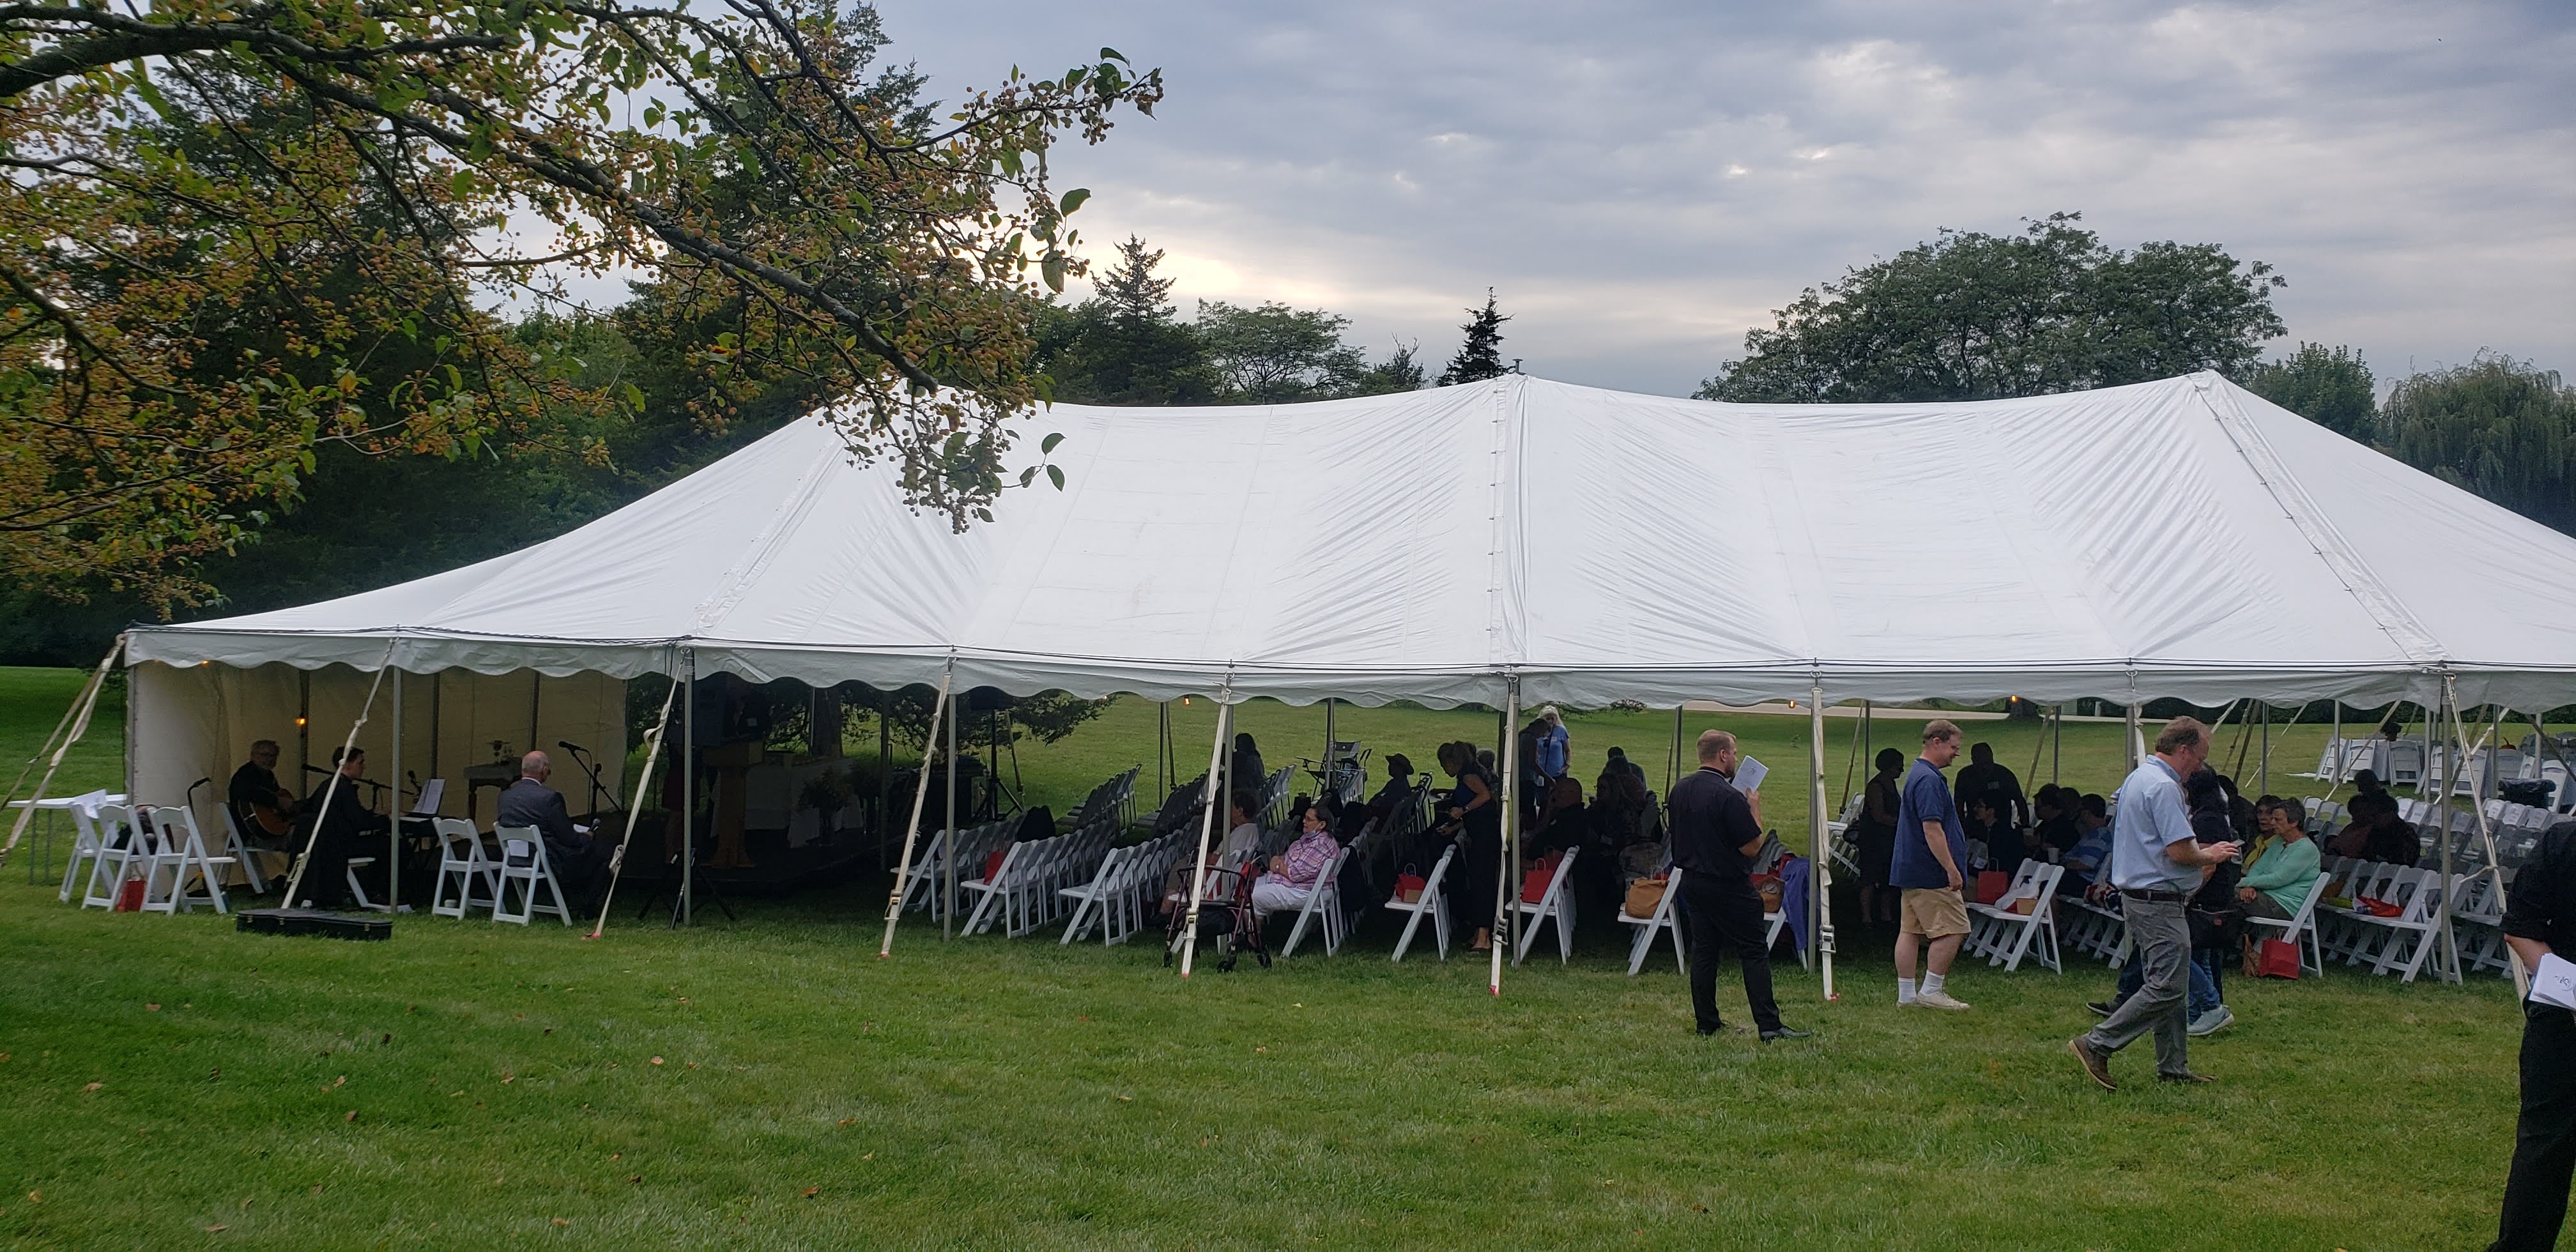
(1838, 835)
(470, 877)
(921, 885)
(1662, 922)
(2003, 935)
(1020, 891)
(2399, 943)
(1114, 799)
(1121, 893)
(159, 847)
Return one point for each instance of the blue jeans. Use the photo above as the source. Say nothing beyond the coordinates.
(2204, 984)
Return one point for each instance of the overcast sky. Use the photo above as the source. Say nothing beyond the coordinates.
(1640, 183)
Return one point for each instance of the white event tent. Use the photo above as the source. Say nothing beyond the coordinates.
(1510, 542)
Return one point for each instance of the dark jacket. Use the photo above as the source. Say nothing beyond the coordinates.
(528, 802)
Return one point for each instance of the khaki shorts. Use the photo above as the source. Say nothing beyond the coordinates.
(1934, 912)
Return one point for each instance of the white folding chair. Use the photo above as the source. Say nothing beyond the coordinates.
(2301, 930)
(1091, 900)
(121, 844)
(2095, 928)
(86, 845)
(1555, 904)
(1431, 903)
(523, 861)
(998, 884)
(2003, 936)
(1323, 906)
(180, 849)
(1661, 921)
(250, 860)
(463, 865)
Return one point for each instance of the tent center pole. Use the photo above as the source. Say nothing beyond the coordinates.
(1331, 778)
(1507, 896)
(393, 828)
(1820, 923)
(688, 778)
(1673, 767)
(948, 845)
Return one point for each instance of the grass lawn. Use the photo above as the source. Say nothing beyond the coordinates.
(771, 1082)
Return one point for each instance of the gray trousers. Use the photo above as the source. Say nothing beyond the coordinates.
(2162, 939)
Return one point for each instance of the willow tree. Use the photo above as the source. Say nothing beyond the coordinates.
(352, 177)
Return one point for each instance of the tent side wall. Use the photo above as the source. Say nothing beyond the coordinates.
(198, 721)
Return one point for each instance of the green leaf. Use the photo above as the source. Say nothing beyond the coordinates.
(1052, 269)
(1055, 474)
(1073, 199)
(1048, 444)
(462, 184)
(634, 396)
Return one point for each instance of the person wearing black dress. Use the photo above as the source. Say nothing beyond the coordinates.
(1874, 836)
(1474, 810)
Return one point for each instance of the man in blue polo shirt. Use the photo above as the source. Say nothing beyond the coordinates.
(2156, 865)
(1930, 851)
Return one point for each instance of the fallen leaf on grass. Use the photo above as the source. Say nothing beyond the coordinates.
(151, 1008)
(92, 1087)
(35, 1197)
(559, 1221)
(317, 1188)
(684, 999)
(550, 1030)
(847, 1120)
(1126, 1099)
(614, 1155)
(657, 1060)
(215, 1073)
(217, 1228)
(507, 1079)
(1699, 1208)
(867, 1156)
(353, 1116)
(693, 1064)
(1261, 1049)
(635, 1178)
(811, 1192)
(341, 1081)
(389, 1038)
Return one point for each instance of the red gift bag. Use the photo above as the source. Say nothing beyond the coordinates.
(1534, 883)
(1991, 885)
(992, 865)
(1408, 887)
(129, 896)
(2276, 958)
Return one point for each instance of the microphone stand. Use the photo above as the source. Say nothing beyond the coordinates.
(590, 767)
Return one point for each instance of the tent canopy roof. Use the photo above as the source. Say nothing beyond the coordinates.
(2177, 538)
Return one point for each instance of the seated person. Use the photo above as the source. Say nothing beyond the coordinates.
(342, 824)
(262, 810)
(1398, 789)
(1293, 873)
(2092, 850)
(1560, 821)
(2376, 832)
(2284, 867)
(575, 858)
(2057, 832)
(1992, 825)
(1242, 834)
(1619, 764)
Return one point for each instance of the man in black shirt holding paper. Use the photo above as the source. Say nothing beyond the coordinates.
(2540, 921)
(1715, 836)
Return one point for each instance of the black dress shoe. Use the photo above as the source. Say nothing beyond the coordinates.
(2101, 1008)
(2185, 1076)
(1786, 1033)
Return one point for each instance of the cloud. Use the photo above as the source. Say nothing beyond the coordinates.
(1640, 183)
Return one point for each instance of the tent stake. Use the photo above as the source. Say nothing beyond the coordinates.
(79, 722)
(1507, 896)
(1207, 826)
(295, 882)
(920, 796)
(643, 783)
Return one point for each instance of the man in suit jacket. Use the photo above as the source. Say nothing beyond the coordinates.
(576, 858)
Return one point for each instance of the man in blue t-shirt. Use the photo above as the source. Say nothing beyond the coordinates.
(1930, 849)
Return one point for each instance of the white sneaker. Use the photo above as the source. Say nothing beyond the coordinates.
(1938, 1000)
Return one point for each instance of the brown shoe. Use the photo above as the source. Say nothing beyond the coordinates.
(2096, 1066)
(2185, 1076)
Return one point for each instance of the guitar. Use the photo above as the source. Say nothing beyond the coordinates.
(277, 819)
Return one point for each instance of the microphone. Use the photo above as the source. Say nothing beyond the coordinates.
(569, 746)
(199, 783)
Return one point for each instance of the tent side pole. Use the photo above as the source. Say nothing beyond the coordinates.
(948, 846)
(393, 827)
(911, 829)
(643, 783)
(2056, 742)
(1673, 768)
(2446, 957)
(79, 723)
(2263, 773)
(1330, 778)
(1819, 859)
(688, 775)
(1507, 895)
(885, 774)
(295, 881)
(1207, 828)
(2130, 744)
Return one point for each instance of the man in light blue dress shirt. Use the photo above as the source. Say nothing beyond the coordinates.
(2156, 864)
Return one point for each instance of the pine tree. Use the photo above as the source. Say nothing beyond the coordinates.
(1130, 291)
(1481, 357)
